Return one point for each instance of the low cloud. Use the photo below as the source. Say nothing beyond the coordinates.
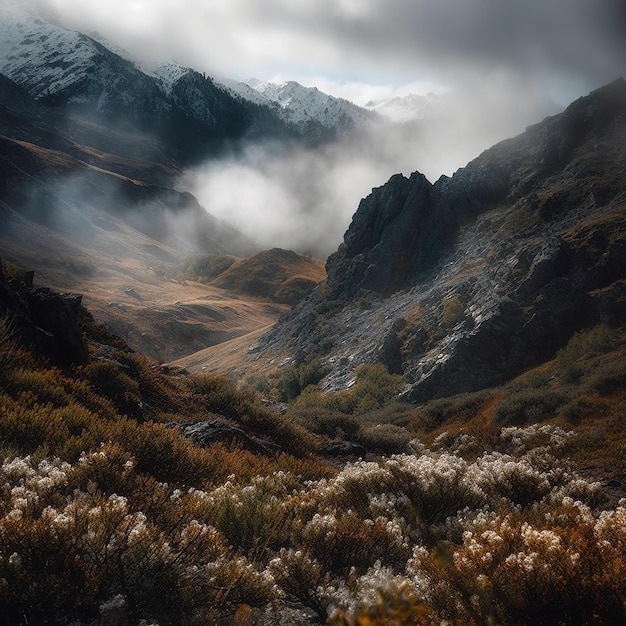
(304, 198)
(495, 63)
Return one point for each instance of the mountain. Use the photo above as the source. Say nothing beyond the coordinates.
(93, 156)
(465, 283)
(85, 131)
(278, 275)
(401, 109)
(188, 114)
(310, 110)
(468, 280)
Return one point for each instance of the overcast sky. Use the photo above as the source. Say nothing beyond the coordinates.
(359, 48)
(499, 62)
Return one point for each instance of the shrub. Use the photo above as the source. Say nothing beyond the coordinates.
(8, 339)
(329, 308)
(347, 542)
(598, 340)
(255, 517)
(509, 570)
(532, 405)
(374, 387)
(394, 604)
(608, 379)
(303, 581)
(294, 380)
(384, 438)
(578, 409)
(323, 421)
(108, 379)
(453, 311)
(459, 408)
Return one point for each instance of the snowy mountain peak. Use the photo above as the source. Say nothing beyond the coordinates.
(42, 57)
(168, 73)
(61, 66)
(300, 105)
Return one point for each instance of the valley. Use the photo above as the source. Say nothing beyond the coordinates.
(197, 428)
(136, 287)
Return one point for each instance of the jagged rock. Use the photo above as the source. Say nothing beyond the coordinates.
(133, 293)
(389, 352)
(208, 432)
(47, 322)
(344, 448)
(528, 241)
(55, 318)
(399, 229)
(393, 231)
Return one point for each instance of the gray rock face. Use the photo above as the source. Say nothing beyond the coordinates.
(393, 232)
(463, 284)
(46, 321)
(211, 431)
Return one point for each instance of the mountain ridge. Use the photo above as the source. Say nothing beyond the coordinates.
(466, 282)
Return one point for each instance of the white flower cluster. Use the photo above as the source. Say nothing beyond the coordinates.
(460, 532)
(525, 438)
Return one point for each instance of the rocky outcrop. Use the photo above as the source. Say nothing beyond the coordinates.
(466, 282)
(394, 231)
(208, 432)
(47, 322)
(401, 229)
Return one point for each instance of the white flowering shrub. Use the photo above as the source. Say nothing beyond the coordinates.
(559, 569)
(511, 537)
(63, 551)
(255, 517)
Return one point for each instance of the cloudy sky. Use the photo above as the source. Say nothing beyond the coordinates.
(359, 48)
(499, 65)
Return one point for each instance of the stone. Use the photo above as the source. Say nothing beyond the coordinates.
(208, 432)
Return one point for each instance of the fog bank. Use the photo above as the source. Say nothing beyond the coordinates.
(304, 198)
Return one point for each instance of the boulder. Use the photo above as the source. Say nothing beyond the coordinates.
(208, 432)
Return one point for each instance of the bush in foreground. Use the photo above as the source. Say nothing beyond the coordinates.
(510, 538)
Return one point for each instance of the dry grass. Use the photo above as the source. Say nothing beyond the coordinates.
(273, 274)
(172, 318)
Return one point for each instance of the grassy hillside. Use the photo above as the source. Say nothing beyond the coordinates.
(488, 512)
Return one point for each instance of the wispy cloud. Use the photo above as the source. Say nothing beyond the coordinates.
(567, 45)
(304, 198)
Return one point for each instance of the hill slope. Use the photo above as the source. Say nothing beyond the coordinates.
(466, 283)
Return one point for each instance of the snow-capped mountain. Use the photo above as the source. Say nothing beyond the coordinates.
(302, 105)
(167, 74)
(402, 109)
(66, 70)
(248, 92)
(188, 111)
(59, 66)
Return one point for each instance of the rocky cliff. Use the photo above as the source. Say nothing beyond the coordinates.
(466, 282)
(44, 321)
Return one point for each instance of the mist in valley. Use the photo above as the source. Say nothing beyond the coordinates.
(498, 68)
(304, 198)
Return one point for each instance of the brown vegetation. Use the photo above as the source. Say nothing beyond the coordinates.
(105, 508)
